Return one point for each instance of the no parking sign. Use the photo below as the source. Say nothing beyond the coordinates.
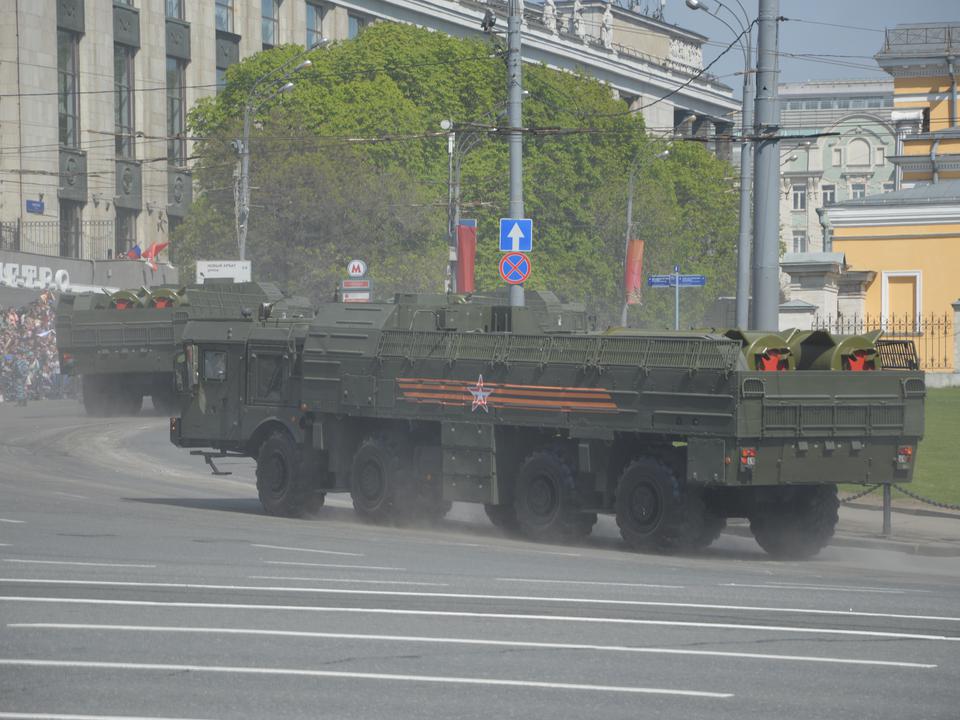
(515, 268)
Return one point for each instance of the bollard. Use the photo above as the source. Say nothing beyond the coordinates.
(886, 510)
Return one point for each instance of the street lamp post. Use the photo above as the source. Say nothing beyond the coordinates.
(629, 233)
(744, 240)
(255, 100)
(461, 140)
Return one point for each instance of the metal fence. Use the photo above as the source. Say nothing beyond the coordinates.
(92, 240)
(932, 334)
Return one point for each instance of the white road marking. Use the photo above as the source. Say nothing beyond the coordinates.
(471, 641)
(309, 550)
(18, 522)
(346, 580)
(480, 596)
(589, 582)
(67, 562)
(55, 716)
(72, 495)
(326, 565)
(446, 680)
(495, 616)
(829, 588)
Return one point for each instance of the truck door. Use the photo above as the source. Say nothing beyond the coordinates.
(220, 390)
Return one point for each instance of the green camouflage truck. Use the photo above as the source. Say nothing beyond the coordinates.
(418, 403)
(122, 344)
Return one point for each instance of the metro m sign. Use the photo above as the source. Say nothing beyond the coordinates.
(356, 268)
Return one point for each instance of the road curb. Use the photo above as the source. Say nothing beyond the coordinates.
(909, 547)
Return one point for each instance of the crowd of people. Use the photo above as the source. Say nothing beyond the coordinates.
(29, 365)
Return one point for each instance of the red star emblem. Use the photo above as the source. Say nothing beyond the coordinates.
(480, 395)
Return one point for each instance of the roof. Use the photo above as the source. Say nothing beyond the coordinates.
(946, 192)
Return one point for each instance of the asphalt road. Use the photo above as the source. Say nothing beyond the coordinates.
(135, 584)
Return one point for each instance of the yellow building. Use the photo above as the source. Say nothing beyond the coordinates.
(905, 244)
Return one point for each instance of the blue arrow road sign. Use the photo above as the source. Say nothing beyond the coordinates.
(693, 280)
(516, 234)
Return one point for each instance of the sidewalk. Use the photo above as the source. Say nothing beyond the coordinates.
(934, 534)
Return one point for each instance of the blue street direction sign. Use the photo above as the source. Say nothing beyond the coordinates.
(516, 234)
(684, 280)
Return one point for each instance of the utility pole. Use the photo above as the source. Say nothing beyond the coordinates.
(766, 211)
(744, 241)
(515, 118)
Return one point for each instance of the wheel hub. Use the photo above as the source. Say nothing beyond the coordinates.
(645, 507)
(371, 482)
(541, 496)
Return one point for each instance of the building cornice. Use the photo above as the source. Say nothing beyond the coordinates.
(628, 74)
(839, 216)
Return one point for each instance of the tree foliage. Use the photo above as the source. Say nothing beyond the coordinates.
(352, 162)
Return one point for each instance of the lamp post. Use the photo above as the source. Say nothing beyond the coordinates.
(627, 238)
(462, 138)
(255, 100)
(744, 240)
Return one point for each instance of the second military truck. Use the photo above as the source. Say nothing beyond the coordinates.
(412, 405)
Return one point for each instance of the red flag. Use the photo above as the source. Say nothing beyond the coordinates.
(633, 271)
(154, 250)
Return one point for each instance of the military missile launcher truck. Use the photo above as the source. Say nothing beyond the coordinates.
(412, 405)
(122, 344)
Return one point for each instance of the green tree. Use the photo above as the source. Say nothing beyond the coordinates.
(352, 163)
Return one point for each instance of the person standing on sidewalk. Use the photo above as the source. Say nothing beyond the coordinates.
(21, 373)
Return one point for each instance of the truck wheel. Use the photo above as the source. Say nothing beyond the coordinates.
(801, 525)
(284, 489)
(129, 402)
(713, 525)
(503, 517)
(654, 511)
(545, 500)
(381, 483)
(94, 397)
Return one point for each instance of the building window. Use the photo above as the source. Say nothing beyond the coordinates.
(176, 101)
(70, 228)
(175, 9)
(68, 49)
(126, 231)
(314, 24)
(799, 197)
(858, 152)
(269, 22)
(221, 79)
(123, 99)
(799, 241)
(225, 15)
(858, 191)
(829, 194)
(889, 187)
(355, 25)
(837, 157)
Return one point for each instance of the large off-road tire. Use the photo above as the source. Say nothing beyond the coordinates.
(713, 525)
(655, 511)
(129, 401)
(798, 526)
(503, 517)
(285, 490)
(95, 398)
(382, 483)
(545, 500)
